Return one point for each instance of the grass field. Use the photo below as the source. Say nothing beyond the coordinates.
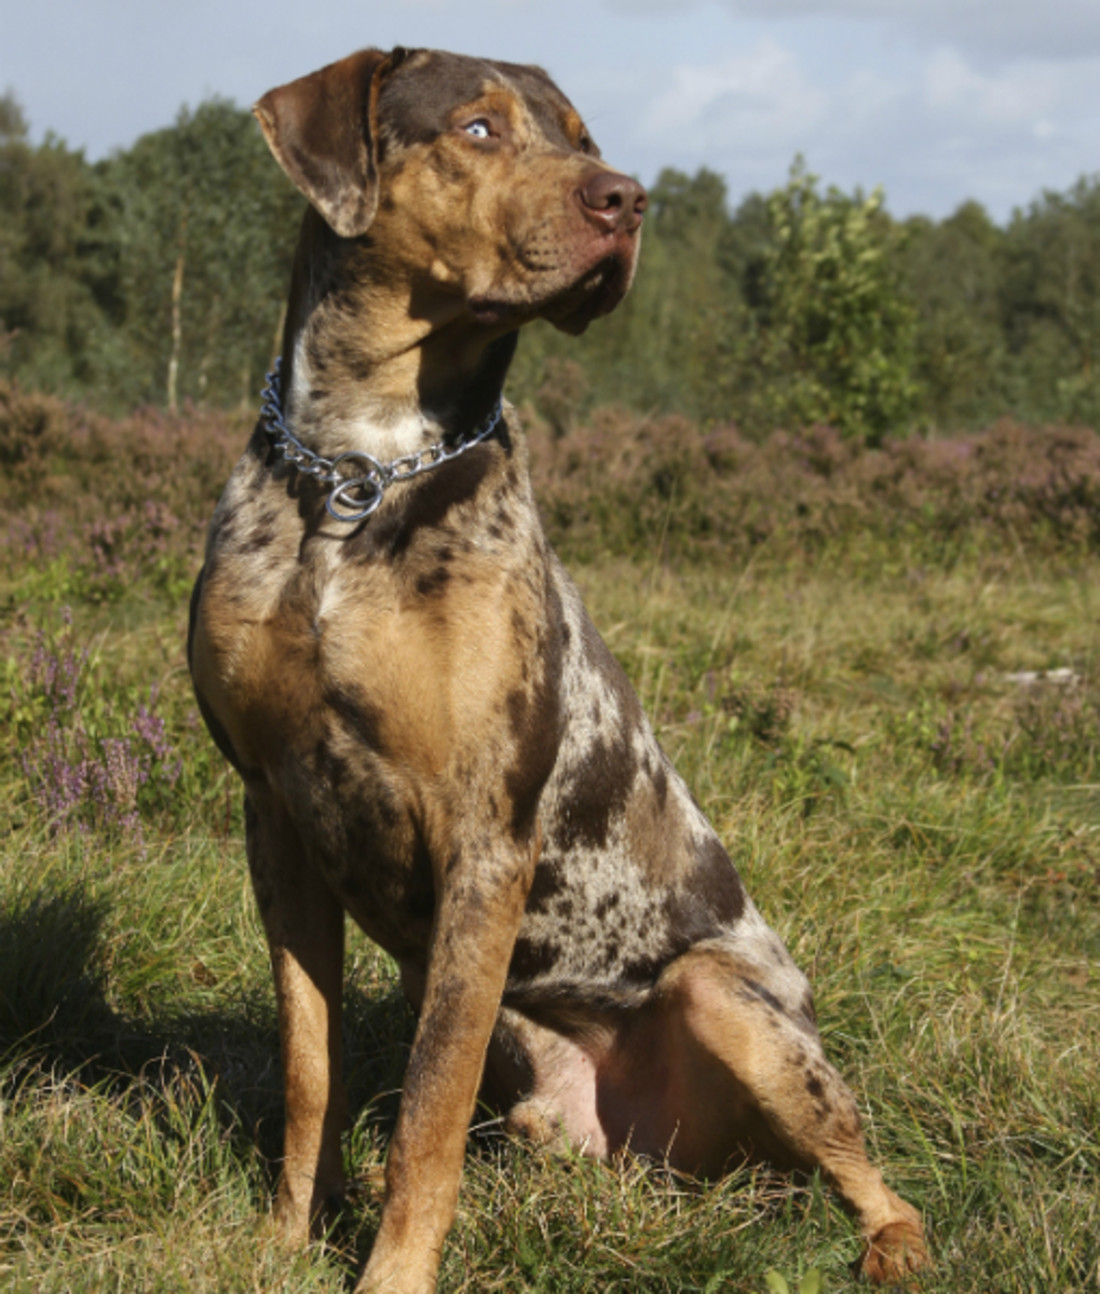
(921, 827)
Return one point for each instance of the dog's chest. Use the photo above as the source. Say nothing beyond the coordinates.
(365, 695)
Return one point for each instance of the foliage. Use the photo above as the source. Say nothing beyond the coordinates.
(1052, 288)
(617, 481)
(952, 272)
(159, 275)
(811, 1283)
(94, 507)
(202, 201)
(88, 767)
(830, 336)
(92, 257)
(49, 315)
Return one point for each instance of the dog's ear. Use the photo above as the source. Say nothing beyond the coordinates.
(322, 131)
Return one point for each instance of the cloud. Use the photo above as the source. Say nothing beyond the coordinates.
(934, 126)
(759, 97)
(1067, 29)
(1020, 93)
(1034, 117)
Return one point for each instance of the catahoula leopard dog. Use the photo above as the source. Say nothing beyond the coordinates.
(432, 736)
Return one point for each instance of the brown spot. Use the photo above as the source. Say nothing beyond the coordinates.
(611, 949)
(603, 664)
(548, 882)
(536, 723)
(530, 959)
(502, 521)
(436, 582)
(751, 990)
(521, 634)
(364, 719)
(714, 886)
(331, 767)
(598, 790)
(644, 970)
(518, 703)
(536, 720)
(605, 905)
(431, 498)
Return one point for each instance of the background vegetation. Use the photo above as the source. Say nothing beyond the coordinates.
(158, 276)
(874, 657)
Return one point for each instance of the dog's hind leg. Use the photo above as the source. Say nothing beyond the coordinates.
(305, 931)
(749, 1077)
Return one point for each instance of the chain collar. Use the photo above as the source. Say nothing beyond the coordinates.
(358, 479)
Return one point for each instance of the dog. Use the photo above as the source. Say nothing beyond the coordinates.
(432, 736)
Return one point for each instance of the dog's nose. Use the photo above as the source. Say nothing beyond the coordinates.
(614, 202)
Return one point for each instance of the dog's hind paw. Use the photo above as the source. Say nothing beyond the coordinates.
(894, 1253)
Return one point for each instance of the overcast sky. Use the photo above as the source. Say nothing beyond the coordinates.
(937, 100)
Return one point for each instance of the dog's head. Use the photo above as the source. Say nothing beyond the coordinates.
(472, 180)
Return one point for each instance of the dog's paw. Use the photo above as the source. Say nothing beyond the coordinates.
(530, 1119)
(298, 1219)
(894, 1253)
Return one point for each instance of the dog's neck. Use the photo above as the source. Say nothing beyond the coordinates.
(387, 370)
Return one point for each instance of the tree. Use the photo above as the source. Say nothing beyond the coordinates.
(48, 315)
(952, 272)
(830, 332)
(208, 226)
(1051, 303)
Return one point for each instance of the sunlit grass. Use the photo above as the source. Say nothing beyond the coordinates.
(946, 906)
(832, 676)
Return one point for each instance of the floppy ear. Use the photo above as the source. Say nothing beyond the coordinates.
(322, 131)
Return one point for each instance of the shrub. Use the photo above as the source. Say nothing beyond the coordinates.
(90, 765)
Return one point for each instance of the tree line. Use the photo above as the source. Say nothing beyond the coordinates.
(157, 276)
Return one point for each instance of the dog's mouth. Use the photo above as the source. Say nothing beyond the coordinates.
(596, 293)
(572, 308)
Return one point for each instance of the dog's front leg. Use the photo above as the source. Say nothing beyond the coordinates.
(479, 907)
(304, 924)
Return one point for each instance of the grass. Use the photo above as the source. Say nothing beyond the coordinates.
(922, 831)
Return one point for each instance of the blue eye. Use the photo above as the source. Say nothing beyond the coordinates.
(479, 129)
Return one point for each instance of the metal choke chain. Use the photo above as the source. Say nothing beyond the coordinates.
(358, 479)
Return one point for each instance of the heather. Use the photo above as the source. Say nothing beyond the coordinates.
(96, 503)
(618, 479)
(876, 665)
(94, 506)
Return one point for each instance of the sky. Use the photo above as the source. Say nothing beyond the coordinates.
(938, 101)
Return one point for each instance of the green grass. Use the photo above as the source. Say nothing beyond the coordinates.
(923, 833)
